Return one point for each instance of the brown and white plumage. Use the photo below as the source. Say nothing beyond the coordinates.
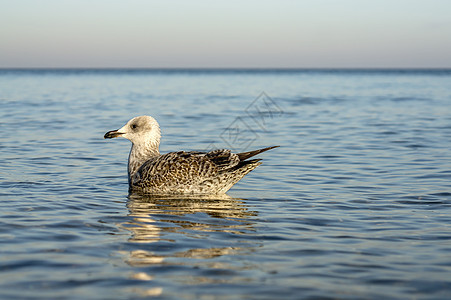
(213, 172)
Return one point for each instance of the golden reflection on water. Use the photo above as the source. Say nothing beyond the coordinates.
(154, 219)
(149, 213)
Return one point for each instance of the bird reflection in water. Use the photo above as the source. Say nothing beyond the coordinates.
(155, 215)
(182, 230)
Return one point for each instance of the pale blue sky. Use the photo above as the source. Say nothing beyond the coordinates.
(244, 33)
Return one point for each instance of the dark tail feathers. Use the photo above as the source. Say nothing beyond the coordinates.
(246, 155)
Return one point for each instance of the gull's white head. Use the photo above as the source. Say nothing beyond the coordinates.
(143, 130)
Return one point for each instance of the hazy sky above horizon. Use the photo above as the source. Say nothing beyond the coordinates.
(245, 33)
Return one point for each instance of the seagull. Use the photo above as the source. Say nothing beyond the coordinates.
(182, 172)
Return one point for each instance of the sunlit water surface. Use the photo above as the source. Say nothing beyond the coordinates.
(355, 204)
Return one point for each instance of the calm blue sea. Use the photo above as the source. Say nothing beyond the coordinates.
(355, 204)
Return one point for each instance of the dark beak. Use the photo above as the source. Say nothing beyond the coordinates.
(112, 134)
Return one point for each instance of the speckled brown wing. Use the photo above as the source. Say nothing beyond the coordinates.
(184, 172)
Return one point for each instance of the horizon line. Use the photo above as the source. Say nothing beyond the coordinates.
(226, 68)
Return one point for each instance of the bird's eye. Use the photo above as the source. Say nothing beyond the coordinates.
(134, 126)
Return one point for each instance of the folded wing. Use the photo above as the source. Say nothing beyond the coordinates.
(194, 172)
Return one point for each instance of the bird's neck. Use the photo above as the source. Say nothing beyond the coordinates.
(139, 154)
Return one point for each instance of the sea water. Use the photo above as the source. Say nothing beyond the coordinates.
(355, 204)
